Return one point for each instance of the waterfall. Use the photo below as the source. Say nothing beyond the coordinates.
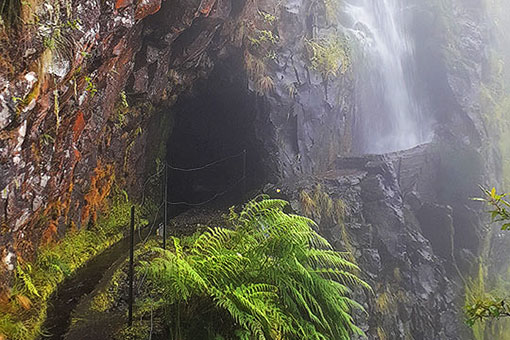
(388, 116)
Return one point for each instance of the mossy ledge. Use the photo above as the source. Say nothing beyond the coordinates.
(23, 311)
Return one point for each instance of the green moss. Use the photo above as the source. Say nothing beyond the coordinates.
(91, 87)
(106, 297)
(35, 282)
(13, 328)
(106, 309)
(495, 104)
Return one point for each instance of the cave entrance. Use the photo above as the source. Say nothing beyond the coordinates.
(214, 133)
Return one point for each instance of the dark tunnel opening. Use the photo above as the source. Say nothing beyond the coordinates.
(213, 153)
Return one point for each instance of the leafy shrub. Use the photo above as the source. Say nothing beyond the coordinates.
(481, 306)
(269, 276)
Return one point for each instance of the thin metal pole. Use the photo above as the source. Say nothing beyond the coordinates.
(131, 266)
(244, 173)
(166, 206)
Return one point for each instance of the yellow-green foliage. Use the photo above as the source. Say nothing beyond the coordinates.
(477, 291)
(328, 56)
(261, 42)
(319, 205)
(384, 301)
(307, 204)
(486, 298)
(381, 334)
(35, 282)
(332, 7)
(105, 298)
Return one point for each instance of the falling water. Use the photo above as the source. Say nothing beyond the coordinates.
(388, 115)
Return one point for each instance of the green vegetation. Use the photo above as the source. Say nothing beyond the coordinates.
(269, 275)
(328, 56)
(267, 17)
(331, 7)
(318, 205)
(481, 306)
(485, 309)
(91, 87)
(123, 111)
(22, 317)
(264, 36)
(57, 31)
(499, 204)
(494, 88)
(123, 99)
(260, 42)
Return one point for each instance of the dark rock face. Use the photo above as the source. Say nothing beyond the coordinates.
(66, 138)
(399, 236)
(57, 155)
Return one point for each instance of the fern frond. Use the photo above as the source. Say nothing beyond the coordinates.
(272, 273)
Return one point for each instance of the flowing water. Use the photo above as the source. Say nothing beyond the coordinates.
(389, 115)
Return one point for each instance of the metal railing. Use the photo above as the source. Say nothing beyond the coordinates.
(166, 203)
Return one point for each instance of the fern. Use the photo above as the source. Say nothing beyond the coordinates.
(271, 274)
(24, 280)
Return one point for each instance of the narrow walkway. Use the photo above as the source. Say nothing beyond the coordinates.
(78, 288)
(82, 283)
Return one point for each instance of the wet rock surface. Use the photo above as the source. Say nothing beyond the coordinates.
(387, 214)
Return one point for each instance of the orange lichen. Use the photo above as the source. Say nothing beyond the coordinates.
(5, 305)
(49, 233)
(146, 8)
(48, 220)
(24, 301)
(206, 6)
(77, 154)
(122, 3)
(36, 153)
(79, 125)
(100, 186)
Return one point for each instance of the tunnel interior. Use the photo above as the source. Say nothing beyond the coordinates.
(213, 154)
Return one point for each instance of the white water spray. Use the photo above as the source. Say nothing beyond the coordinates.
(388, 116)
